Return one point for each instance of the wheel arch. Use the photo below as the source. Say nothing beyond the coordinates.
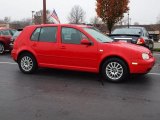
(26, 52)
(113, 56)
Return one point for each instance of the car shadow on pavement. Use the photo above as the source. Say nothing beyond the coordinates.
(86, 76)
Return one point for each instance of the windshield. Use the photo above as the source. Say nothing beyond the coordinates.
(98, 35)
(127, 31)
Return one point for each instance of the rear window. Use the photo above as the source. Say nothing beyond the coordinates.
(5, 32)
(127, 31)
(45, 34)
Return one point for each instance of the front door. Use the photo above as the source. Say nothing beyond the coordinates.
(75, 55)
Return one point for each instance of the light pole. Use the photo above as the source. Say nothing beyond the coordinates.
(44, 11)
(128, 19)
(33, 17)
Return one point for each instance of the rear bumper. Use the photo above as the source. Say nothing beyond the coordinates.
(11, 46)
(14, 55)
(142, 66)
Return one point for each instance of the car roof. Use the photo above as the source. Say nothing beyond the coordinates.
(65, 25)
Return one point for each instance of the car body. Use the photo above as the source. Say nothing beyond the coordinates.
(16, 34)
(5, 37)
(135, 35)
(80, 48)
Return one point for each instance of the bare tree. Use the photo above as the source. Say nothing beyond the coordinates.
(158, 19)
(21, 23)
(38, 17)
(7, 19)
(76, 15)
(136, 23)
(95, 20)
(2, 21)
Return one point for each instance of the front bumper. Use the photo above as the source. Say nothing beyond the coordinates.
(142, 66)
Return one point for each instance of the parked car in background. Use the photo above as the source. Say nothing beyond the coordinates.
(13, 38)
(5, 37)
(81, 48)
(135, 35)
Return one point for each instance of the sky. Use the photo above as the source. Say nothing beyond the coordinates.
(141, 11)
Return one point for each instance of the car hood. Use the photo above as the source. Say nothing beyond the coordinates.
(129, 47)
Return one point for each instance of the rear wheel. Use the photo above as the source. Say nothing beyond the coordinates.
(27, 63)
(151, 45)
(1, 48)
(115, 70)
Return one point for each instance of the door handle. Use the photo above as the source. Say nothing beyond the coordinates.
(34, 45)
(63, 47)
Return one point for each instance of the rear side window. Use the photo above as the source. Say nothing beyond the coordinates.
(35, 35)
(45, 34)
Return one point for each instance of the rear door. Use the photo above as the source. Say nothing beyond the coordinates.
(44, 43)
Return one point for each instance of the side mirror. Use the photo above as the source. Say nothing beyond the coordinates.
(86, 42)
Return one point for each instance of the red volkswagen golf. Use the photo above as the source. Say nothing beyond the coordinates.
(81, 48)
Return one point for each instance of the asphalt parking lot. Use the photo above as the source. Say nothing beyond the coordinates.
(67, 95)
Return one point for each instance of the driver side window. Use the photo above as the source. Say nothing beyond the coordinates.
(72, 36)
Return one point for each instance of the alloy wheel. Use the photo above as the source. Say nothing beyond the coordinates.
(26, 63)
(114, 70)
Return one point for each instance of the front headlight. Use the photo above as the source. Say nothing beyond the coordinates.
(145, 56)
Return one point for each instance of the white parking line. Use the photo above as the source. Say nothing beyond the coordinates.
(154, 74)
(11, 63)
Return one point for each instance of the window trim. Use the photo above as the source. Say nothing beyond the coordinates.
(56, 40)
(33, 33)
(75, 29)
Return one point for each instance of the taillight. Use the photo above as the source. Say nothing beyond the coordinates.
(141, 41)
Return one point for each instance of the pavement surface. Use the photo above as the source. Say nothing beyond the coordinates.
(157, 45)
(67, 95)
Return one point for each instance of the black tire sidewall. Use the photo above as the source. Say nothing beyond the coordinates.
(34, 68)
(3, 47)
(122, 63)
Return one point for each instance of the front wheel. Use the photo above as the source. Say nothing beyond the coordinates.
(115, 70)
(1, 48)
(27, 63)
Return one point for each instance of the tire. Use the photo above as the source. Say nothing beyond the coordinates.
(2, 49)
(151, 46)
(115, 70)
(27, 63)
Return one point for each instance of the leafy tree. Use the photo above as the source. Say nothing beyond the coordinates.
(76, 15)
(111, 11)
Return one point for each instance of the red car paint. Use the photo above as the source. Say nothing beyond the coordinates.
(80, 57)
(5, 39)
